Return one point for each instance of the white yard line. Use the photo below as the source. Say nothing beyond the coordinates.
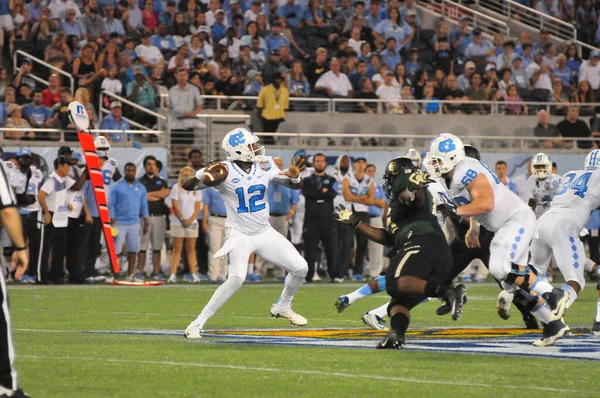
(304, 372)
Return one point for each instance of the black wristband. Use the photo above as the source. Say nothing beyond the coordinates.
(18, 249)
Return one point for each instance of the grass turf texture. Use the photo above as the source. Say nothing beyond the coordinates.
(56, 359)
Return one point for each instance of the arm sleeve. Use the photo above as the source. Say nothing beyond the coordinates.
(144, 204)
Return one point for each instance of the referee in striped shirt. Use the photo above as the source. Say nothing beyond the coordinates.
(12, 223)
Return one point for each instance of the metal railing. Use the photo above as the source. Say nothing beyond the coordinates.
(531, 17)
(333, 104)
(346, 141)
(45, 64)
(492, 26)
(62, 133)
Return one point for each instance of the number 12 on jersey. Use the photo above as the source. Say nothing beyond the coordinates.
(256, 193)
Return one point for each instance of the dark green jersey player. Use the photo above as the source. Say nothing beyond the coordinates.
(424, 259)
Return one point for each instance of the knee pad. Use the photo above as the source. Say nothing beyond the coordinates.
(302, 266)
(515, 273)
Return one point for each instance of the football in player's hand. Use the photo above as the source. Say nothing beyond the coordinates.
(215, 174)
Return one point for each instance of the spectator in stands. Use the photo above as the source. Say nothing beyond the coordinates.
(72, 43)
(355, 42)
(388, 91)
(480, 50)
(87, 70)
(374, 16)
(464, 81)
(23, 76)
(442, 33)
(251, 15)
(546, 129)
(34, 9)
(590, 70)
(516, 105)
(563, 72)
(524, 38)
(61, 110)
(112, 83)
(527, 56)
(505, 60)
(271, 66)
(502, 173)
(185, 100)
(550, 57)
(439, 82)
(298, 83)
(313, 15)
(573, 127)
(163, 41)
(115, 121)
(149, 54)
(132, 17)
(114, 27)
(71, 26)
(574, 61)
(149, 17)
(490, 80)
(318, 67)
(549, 7)
(505, 81)
(129, 202)
(443, 58)
(401, 76)
(390, 55)
(419, 81)
(273, 101)
(334, 83)
(394, 27)
(15, 120)
(544, 40)
(221, 60)
(4, 81)
(409, 11)
(254, 83)
(540, 75)
(584, 95)
(24, 95)
(197, 48)
(276, 39)
(476, 92)
(366, 92)
(110, 56)
(258, 55)
(219, 28)
(52, 93)
(211, 13)
(82, 95)
(559, 96)
(460, 38)
(596, 128)
(168, 17)
(345, 12)
(519, 75)
(356, 76)
(58, 52)
(432, 104)
(377, 78)
(141, 92)
(243, 64)
(45, 27)
(58, 9)
(231, 42)
(413, 64)
(251, 32)
(37, 114)
(587, 18)
(93, 22)
(180, 60)
(452, 93)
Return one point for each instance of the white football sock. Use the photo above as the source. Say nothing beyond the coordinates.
(219, 297)
(572, 294)
(589, 265)
(363, 291)
(380, 311)
(250, 268)
(293, 280)
(543, 313)
(541, 286)
(598, 311)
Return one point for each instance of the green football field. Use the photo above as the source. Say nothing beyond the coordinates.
(115, 341)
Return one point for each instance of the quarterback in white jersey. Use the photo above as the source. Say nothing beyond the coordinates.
(545, 184)
(244, 193)
(558, 229)
(479, 194)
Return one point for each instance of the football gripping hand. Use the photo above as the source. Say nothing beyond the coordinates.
(448, 205)
(418, 180)
(346, 216)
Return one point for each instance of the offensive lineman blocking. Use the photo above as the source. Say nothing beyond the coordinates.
(248, 229)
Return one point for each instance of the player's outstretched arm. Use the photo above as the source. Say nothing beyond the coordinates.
(349, 218)
(291, 177)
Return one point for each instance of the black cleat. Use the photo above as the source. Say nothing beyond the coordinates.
(530, 321)
(445, 308)
(596, 329)
(391, 341)
(557, 300)
(18, 393)
(552, 332)
(455, 299)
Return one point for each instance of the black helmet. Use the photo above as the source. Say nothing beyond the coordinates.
(472, 152)
(63, 150)
(396, 167)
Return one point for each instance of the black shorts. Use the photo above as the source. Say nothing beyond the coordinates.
(426, 257)
(462, 256)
